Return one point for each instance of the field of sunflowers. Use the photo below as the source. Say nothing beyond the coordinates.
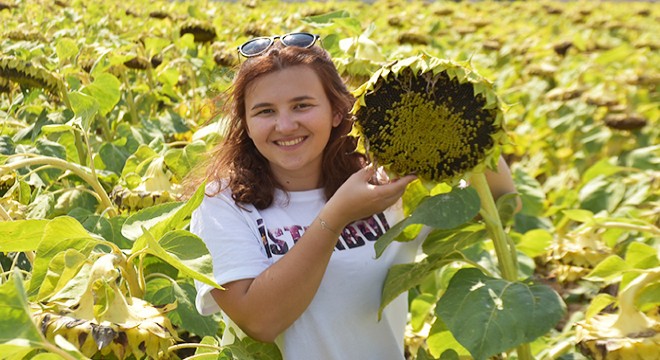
(105, 107)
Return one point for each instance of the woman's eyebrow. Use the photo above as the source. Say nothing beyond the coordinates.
(295, 99)
(261, 105)
(301, 98)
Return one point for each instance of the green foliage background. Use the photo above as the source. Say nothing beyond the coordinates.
(101, 100)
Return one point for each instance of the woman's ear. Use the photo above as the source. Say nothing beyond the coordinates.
(336, 120)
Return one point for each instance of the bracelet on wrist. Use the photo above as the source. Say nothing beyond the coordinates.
(325, 226)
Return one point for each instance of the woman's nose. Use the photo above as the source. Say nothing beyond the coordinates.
(286, 123)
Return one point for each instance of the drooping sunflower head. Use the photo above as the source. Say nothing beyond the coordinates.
(201, 31)
(28, 75)
(430, 117)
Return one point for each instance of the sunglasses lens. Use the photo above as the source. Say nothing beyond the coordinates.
(299, 39)
(258, 46)
(255, 46)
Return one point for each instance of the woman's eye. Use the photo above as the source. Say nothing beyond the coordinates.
(302, 106)
(263, 112)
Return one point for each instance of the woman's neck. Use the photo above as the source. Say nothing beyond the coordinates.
(293, 181)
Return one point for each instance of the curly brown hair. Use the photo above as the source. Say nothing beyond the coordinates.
(237, 164)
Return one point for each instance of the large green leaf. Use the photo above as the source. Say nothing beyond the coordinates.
(66, 48)
(488, 315)
(15, 319)
(249, 349)
(609, 269)
(113, 156)
(535, 242)
(7, 145)
(401, 278)
(441, 241)
(441, 342)
(21, 235)
(16, 349)
(420, 308)
(62, 268)
(602, 167)
(648, 297)
(41, 207)
(442, 211)
(85, 107)
(531, 193)
(600, 194)
(76, 286)
(60, 234)
(136, 164)
(105, 90)
(644, 158)
(181, 161)
(177, 218)
(642, 256)
(147, 218)
(162, 291)
(186, 252)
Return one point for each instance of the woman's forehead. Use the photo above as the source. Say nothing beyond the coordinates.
(294, 81)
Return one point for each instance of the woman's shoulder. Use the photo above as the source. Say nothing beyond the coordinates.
(217, 194)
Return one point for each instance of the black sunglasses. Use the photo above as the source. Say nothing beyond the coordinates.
(258, 46)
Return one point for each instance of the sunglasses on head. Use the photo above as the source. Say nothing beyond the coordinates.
(258, 46)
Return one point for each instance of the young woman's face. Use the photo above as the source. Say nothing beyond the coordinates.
(289, 119)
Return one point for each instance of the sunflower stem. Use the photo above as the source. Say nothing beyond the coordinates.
(4, 215)
(79, 170)
(504, 249)
(632, 227)
(130, 101)
(491, 217)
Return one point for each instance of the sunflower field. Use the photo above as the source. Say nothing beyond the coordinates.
(106, 106)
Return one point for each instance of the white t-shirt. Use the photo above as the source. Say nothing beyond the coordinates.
(341, 322)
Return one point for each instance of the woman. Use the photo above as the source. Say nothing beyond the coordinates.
(291, 213)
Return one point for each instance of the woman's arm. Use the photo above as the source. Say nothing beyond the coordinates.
(267, 305)
(500, 182)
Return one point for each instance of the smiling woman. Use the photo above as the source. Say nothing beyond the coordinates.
(291, 214)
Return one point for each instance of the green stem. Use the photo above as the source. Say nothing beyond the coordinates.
(561, 348)
(136, 274)
(129, 100)
(193, 345)
(4, 216)
(641, 228)
(159, 275)
(504, 249)
(74, 168)
(82, 154)
(56, 350)
(491, 217)
(105, 128)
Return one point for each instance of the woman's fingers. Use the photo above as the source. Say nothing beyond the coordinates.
(359, 197)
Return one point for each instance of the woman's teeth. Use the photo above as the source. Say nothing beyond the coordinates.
(291, 142)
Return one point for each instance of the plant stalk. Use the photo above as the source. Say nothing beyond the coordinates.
(78, 170)
(633, 227)
(4, 215)
(130, 101)
(491, 217)
(504, 249)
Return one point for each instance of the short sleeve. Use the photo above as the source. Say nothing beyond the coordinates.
(234, 244)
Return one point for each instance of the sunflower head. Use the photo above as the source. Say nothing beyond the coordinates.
(28, 75)
(202, 32)
(430, 117)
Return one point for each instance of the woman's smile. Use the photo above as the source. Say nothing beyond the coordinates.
(290, 143)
